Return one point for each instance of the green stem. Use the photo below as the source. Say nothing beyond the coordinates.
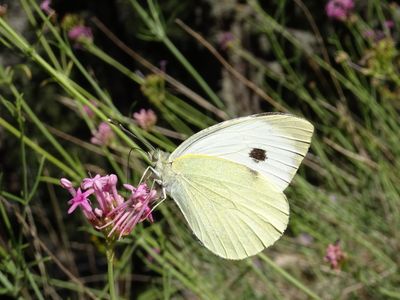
(67, 50)
(52, 140)
(157, 29)
(62, 79)
(210, 93)
(22, 148)
(110, 272)
(93, 49)
(34, 146)
(289, 277)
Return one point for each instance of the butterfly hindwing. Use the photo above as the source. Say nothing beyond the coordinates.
(234, 211)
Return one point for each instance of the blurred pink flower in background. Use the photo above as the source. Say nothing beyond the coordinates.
(89, 112)
(389, 24)
(80, 34)
(146, 119)
(334, 255)
(339, 9)
(3, 10)
(113, 213)
(374, 35)
(103, 135)
(45, 6)
(305, 239)
(369, 33)
(224, 39)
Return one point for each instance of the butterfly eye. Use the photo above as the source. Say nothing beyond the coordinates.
(258, 154)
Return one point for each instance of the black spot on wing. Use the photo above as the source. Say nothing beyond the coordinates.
(258, 154)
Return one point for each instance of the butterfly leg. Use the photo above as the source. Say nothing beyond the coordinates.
(164, 196)
(144, 174)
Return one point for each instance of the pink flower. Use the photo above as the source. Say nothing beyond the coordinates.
(136, 209)
(80, 199)
(339, 9)
(80, 34)
(334, 255)
(374, 35)
(369, 33)
(305, 239)
(45, 6)
(145, 118)
(96, 183)
(103, 135)
(114, 214)
(3, 10)
(66, 184)
(389, 24)
(105, 189)
(89, 112)
(225, 39)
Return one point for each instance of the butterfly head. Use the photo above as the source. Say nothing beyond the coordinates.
(158, 157)
(159, 163)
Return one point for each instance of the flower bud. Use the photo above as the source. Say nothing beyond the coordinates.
(65, 183)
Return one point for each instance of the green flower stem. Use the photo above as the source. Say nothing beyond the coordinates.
(181, 276)
(93, 49)
(18, 41)
(67, 49)
(210, 93)
(180, 107)
(157, 31)
(25, 107)
(21, 124)
(38, 149)
(52, 140)
(288, 277)
(110, 272)
(41, 37)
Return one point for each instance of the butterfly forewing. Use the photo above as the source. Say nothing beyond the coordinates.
(271, 144)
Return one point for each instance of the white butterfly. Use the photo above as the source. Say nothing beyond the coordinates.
(228, 180)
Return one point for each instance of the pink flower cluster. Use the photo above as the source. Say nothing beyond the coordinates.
(80, 34)
(339, 9)
(377, 35)
(3, 10)
(145, 118)
(45, 6)
(225, 39)
(334, 255)
(114, 214)
(103, 135)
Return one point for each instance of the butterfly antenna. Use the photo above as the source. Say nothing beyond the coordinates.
(127, 166)
(130, 133)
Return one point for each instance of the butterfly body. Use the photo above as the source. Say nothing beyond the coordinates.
(228, 180)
